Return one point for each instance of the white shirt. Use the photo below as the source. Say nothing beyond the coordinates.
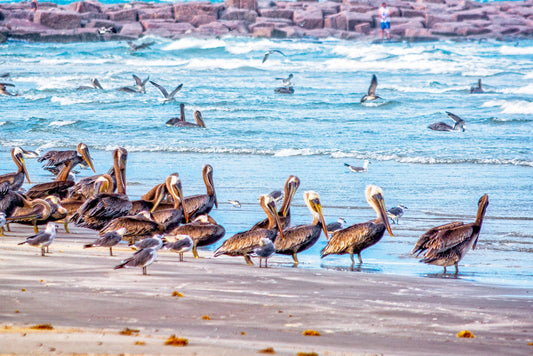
(384, 13)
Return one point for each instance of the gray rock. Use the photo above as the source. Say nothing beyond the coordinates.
(57, 19)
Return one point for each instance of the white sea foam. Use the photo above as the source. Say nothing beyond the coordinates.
(511, 107)
(516, 50)
(65, 101)
(192, 42)
(62, 123)
(2, 123)
(528, 89)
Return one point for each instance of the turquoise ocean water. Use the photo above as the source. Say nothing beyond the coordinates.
(255, 138)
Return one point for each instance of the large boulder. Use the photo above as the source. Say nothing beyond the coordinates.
(57, 19)
(166, 28)
(309, 19)
(85, 6)
(242, 4)
(277, 13)
(123, 15)
(133, 29)
(213, 29)
(158, 12)
(476, 14)
(184, 12)
(346, 21)
(233, 14)
(269, 32)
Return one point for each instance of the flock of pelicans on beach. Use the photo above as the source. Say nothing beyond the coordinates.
(164, 218)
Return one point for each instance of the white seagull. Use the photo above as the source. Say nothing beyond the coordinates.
(42, 239)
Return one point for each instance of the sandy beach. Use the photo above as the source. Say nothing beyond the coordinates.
(224, 307)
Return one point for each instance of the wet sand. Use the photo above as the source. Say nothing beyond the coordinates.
(229, 308)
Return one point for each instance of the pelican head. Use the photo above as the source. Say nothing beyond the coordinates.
(312, 200)
(173, 185)
(291, 186)
(374, 197)
(198, 118)
(103, 184)
(18, 156)
(269, 206)
(482, 204)
(83, 150)
(207, 174)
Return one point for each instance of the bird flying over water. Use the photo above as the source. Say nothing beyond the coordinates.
(268, 53)
(4, 91)
(371, 95)
(168, 97)
(136, 47)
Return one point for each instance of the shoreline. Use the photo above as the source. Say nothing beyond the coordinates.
(248, 309)
(419, 20)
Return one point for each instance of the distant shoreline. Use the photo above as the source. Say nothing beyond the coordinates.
(429, 20)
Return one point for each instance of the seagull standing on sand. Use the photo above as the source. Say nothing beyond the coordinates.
(182, 244)
(358, 169)
(168, 97)
(155, 241)
(268, 53)
(2, 222)
(110, 239)
(396, 213)
(371, 95)
(142, 258)
(42, 239)
(264, 250)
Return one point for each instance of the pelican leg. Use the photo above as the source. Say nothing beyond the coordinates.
(444, 270)
(35, 228)
(8, 228)
(295, 258)
(65, 223)
(260, 260)
(351, 257)
(110, 251)
(266, 262)
(181, 257)
(360, 259)
(456, 268)
(1, 231)
(144, 271)
(248, 260)
(195, 252)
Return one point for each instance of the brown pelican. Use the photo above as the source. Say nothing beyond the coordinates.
(300, 238)
(136, 47)
(338, 225)
(371, 95)
(182, 244)
(447, 244)
(358, 169)
(284, 90)
(203, 230)
(442, 126)
(358, 237)
(58, 159)
(96, 212)
(16, 179)
(269, 52)
(95, 85)
(291, 185)
(264, 250)
(11, 199)
(59, 187)
(3, 89)
(42, 239)
(396, 213)
(137, 226)
(202, 203)
(243, 243)
(175, 120)
(197, 117)
(172, 217)
(139, 87)
(39, 212)
(109, 239)
(168, 97)
(142, 258)
(478, 89)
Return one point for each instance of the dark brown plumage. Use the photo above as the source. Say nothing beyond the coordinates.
(59, 187)
(203, 231)
(16, 179)
(58, 159)
(300, 238)
(358, 237)
(447, 244)
(203, 203)
(243, 243)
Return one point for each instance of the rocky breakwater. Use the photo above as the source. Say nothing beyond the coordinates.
(349, 19)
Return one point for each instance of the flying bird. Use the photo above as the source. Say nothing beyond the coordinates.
(235, 203)
(168, 97)
(268, 53)
(442, 126)
(136, 47)
(371, 95)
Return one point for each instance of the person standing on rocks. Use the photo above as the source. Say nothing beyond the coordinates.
(33, 5)
(384, 15)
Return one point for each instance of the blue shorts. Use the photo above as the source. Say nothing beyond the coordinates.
(385, 25)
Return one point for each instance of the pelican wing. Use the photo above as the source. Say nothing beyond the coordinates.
(446, 239)
(135, 226)
(373, 85)
(57, 188)
(342, 241)
(55, 158)
(426, 239)
(454, 117)
(243, 242)
(295, 237)
(198, 204)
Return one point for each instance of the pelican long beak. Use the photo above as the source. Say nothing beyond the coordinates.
(274, 212)
(179, 192)
(383, 212)
(292, 191)
(87, 157)
(159, 195)
(23, 165)
(315, 203)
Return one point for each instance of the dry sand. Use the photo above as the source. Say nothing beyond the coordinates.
(229, 308)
